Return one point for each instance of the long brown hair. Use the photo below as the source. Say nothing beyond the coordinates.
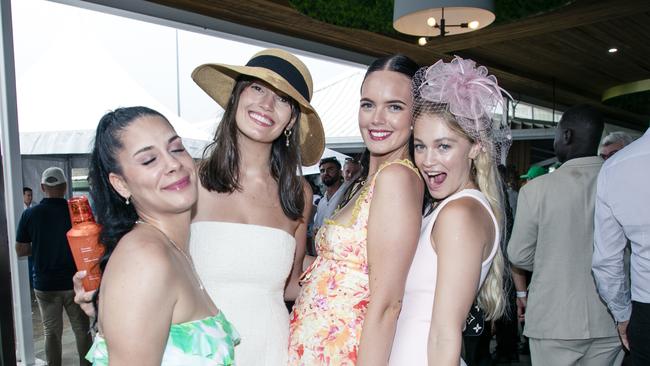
(220, 168)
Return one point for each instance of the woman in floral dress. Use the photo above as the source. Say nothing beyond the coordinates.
(347, 309)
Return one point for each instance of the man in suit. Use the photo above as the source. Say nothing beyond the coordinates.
(566, 321)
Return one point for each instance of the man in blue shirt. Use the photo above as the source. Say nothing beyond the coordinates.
(42, 233)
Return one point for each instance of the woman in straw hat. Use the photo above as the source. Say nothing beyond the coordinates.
(348, 306)
(457, 146)
(248, 232)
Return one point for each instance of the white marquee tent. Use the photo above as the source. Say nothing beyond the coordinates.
(62, 96)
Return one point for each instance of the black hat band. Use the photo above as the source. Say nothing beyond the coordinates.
(283, 68)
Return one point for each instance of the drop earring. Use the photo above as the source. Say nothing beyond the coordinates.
(128, 201)
(287, 134)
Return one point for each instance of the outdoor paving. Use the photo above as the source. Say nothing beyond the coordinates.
(69, 348)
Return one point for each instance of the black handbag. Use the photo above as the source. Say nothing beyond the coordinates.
(475, 322)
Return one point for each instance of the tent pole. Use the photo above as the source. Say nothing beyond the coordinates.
(10, 147)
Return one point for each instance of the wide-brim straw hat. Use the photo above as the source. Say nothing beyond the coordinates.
(284, 72)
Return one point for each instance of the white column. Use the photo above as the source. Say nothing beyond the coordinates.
(10, 145)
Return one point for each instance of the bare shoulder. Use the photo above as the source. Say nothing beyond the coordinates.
(465, 211)
(139, 288)
(140, 254)
(457, 216)
(202, 202)
(399, 175)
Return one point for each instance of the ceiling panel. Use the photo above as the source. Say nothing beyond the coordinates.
(558, 57)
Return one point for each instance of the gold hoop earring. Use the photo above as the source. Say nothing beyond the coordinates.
(287, 134)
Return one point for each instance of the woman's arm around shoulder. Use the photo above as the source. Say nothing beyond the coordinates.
(462, 233)
(293, 283)
(137, 300)
(393, 231)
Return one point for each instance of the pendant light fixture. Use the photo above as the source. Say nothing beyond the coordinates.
(431, 18)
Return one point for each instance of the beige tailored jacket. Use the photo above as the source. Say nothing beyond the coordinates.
(553, 236)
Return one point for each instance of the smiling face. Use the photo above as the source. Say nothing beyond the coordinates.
(443, 155)
(262, 114)
(157, 173)
(385, 112)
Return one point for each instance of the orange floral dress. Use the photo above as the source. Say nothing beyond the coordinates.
(326, 321)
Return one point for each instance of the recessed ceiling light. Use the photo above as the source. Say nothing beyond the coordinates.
(422, 41)
(431, 22)
(473, 24)
(612, 50)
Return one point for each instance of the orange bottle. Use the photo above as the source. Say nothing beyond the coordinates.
(83, 239)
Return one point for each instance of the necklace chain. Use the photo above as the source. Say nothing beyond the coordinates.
(187, 257)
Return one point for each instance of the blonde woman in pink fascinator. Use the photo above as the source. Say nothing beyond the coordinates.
(460, 135)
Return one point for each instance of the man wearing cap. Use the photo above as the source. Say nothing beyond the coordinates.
(533, 172)
(566, 322)
(42, 233)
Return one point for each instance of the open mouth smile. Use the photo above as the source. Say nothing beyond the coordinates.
(435, 179)
(261, 119)
(379, 135)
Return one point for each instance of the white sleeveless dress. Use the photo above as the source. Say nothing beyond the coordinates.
(244, 269)
(412, 333)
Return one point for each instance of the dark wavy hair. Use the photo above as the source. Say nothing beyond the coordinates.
(116, 217)
(220, 168)
(397, 63)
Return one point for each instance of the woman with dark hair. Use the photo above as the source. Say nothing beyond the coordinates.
(348, 306)
(143, 185)
(248, 232)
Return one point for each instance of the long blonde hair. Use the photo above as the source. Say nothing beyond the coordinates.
(491, 296)
(467, 98)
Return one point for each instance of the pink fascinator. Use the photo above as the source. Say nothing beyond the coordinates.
(472, 95)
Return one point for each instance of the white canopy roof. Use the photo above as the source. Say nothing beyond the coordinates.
(64, 94)
(65, 86)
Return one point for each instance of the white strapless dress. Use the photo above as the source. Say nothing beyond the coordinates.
(244, 269)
